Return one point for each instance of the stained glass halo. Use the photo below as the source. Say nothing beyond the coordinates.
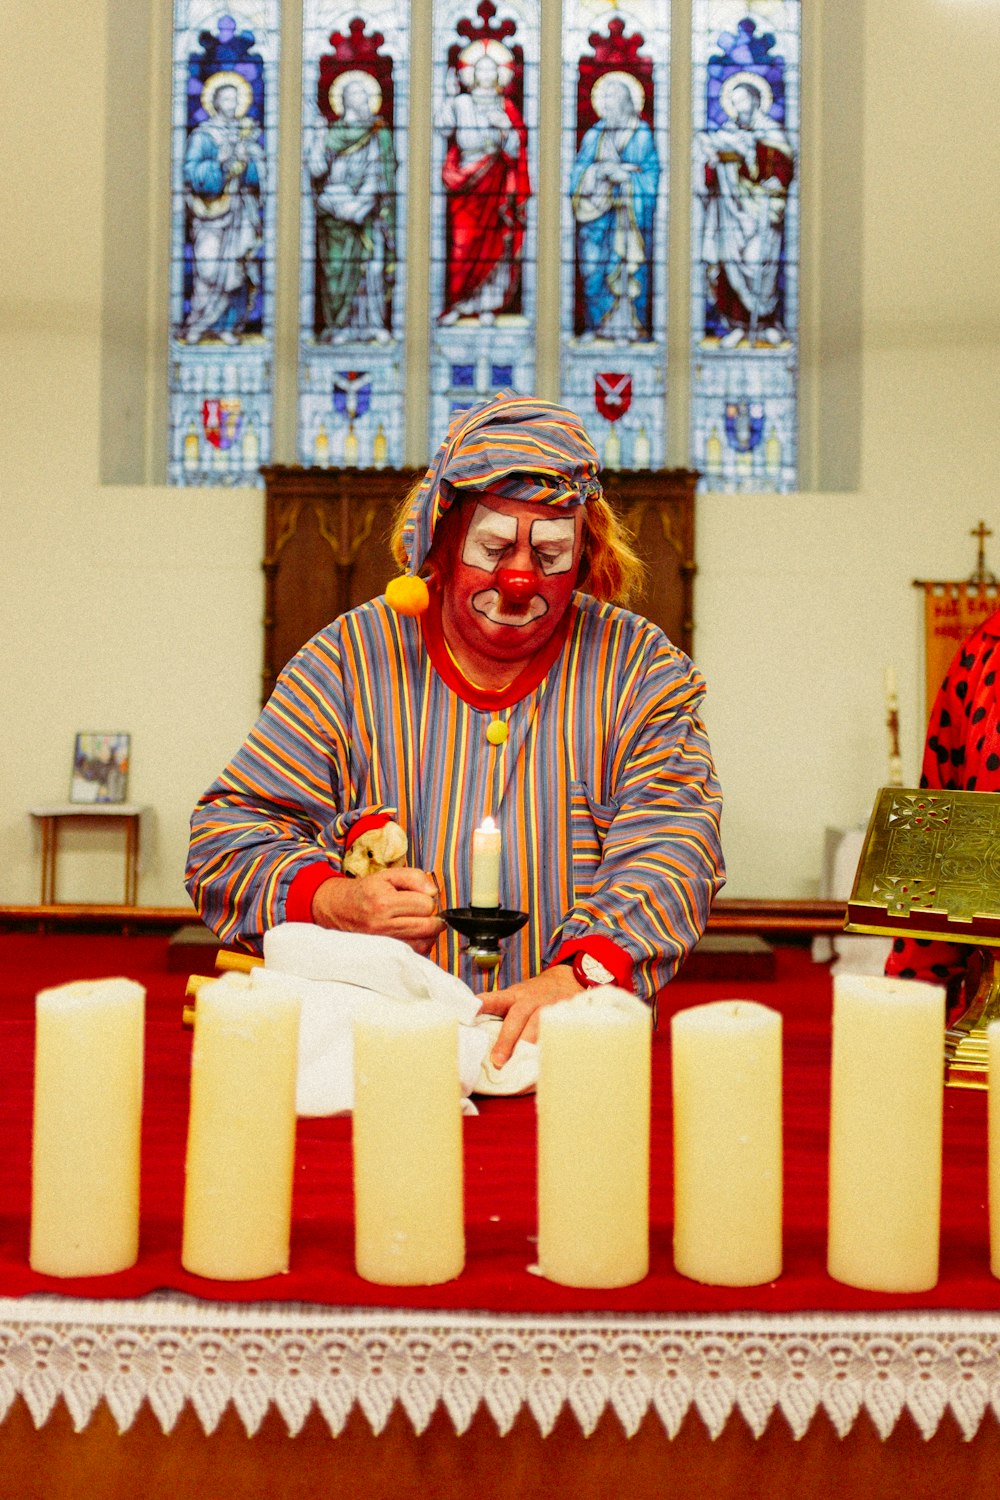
(354, 75)
(756, 81)
(498, 54)
(630, 81)
(226, 78)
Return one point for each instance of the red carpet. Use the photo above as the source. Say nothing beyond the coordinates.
(500, 1169)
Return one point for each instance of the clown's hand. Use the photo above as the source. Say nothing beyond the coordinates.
(519, 1005)
(399, 903)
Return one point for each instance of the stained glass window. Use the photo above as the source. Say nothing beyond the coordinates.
(225, 113)
(484, 168)
(745, 222)
(355, 113)
(615, 151)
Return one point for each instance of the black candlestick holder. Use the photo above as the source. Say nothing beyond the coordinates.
(485, 927)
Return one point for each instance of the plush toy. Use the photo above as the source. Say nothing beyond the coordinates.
(376, 849)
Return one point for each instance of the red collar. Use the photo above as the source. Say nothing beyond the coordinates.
(491, 698)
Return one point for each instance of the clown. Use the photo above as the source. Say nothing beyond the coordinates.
(507, 683)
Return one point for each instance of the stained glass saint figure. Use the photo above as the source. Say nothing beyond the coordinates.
(748, 166)
(485, 176)
(613, 186)
(353, 168)
(224, 177)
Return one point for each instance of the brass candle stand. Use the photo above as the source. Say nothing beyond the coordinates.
(930, 868)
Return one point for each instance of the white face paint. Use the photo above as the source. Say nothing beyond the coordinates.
(553, 543)
(489, 537)
(489, 603)
(511, 583)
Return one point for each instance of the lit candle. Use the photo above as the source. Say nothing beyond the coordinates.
(593, 1139)
(87, 1123)
(407, 1133)
(885, 1133)
(486, 864)
(241, 1132)
(727, 1142)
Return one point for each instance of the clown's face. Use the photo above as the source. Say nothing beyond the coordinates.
(512, 578)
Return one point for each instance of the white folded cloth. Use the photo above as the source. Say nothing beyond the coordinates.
(334, 974)
(382, 964)
(519, 1074)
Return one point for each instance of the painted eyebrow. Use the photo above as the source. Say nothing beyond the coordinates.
(489, 524)
(561, 530)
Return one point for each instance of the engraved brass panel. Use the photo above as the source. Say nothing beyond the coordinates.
(930, 867)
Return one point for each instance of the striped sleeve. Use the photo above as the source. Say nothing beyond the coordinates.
(660, 862)
(276, 809)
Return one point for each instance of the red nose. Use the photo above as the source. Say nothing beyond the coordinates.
(516, 585)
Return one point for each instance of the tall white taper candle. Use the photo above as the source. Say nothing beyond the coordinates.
(87, 1125)
(486, 864)
(886, 1106)
(727, 1142)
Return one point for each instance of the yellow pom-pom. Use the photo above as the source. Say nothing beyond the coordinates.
(407, 594)
(496, 732)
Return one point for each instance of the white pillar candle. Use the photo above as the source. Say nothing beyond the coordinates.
(87, 1125)
(486, 864)
(726, 1059)
(886, 1100)
(241, 1132)
(993, 1050)
(408, 1211)
(593, 1139)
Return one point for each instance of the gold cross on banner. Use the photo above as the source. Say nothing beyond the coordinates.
(982, 531)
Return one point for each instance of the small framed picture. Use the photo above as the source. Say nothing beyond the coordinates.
(100, 768)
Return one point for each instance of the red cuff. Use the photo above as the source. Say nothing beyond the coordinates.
(305, 884)
(364, 823)
(614, 959)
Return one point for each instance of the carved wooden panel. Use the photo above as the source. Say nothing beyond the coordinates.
(327, 547)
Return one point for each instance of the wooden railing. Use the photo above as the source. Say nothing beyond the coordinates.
(766, 918)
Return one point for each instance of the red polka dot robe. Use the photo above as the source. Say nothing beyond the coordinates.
(962, 753)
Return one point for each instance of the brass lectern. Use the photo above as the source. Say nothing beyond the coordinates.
(930, 868)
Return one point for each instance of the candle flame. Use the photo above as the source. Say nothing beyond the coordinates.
(487, 826)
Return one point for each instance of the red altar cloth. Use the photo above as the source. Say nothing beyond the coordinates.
(499, 1166)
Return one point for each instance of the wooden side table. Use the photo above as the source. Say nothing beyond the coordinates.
(49, 819)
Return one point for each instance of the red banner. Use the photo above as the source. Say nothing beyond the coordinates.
(951, 612)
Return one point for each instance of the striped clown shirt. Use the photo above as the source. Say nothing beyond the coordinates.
(604, 789)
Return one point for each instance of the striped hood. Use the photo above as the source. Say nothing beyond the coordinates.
(519, 447)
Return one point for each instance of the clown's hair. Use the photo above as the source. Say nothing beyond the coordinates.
(403, 509)
(610, 568)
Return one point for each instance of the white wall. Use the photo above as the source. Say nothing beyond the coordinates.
(138, 608)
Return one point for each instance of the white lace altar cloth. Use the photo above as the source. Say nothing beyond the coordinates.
(172, 1352)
